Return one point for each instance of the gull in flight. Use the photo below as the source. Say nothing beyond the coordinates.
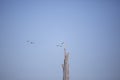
(60, 44)
(30, 42)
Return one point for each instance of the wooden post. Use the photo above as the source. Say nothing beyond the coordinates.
(65, 66)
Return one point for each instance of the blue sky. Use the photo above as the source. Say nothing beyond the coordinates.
(90, 30)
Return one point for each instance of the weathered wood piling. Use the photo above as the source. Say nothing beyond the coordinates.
(65, 66)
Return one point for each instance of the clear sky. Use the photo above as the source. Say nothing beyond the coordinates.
(90, 29)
